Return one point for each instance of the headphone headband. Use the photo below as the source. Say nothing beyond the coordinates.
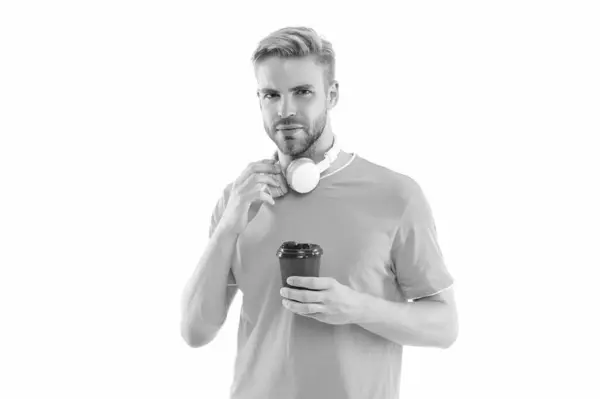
(330, 156)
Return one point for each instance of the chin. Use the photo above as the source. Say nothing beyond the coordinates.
(292, 150)
(294, 147)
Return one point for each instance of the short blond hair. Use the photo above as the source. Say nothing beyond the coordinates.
(294, 42)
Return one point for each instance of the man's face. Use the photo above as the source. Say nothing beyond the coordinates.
(291, 92)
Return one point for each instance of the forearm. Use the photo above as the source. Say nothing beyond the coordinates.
(204, 305)
(421, 323)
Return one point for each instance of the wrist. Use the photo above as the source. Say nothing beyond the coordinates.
(224, 230)
(364, 307)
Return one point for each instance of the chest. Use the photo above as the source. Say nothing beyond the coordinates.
(356, 244)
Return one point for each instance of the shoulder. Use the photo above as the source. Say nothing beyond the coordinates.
(223, 198)
(396, 184)
(219, 207)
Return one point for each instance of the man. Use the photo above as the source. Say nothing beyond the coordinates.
(383, 282)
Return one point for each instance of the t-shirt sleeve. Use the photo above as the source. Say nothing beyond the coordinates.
(214, 221)
(416, 255)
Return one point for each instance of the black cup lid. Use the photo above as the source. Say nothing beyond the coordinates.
(294, 248)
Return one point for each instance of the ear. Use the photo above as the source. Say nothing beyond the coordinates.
(333, 95)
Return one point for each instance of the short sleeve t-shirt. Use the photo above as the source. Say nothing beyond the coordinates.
(378, 237)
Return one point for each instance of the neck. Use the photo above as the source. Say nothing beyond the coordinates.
(316, 153)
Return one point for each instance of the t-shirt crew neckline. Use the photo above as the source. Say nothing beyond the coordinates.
(341, 168)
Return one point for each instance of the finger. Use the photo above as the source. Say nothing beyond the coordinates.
(269, 179)
(303, 295)
(303, 308)
(264, 166)
(260, 195)
(313, 283)
(259, 182)
(283, 188)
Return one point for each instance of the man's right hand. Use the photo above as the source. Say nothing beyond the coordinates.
(252, 185)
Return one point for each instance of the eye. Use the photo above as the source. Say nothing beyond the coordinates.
(304, 92)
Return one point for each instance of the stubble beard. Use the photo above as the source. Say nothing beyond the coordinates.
(303, 145)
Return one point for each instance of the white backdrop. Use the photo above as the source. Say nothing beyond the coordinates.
(122, 121)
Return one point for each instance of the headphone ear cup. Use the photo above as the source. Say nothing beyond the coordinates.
(303, 175)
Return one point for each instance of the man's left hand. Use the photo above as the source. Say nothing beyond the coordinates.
(332, 302)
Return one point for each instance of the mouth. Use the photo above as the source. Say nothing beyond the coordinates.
(289, 127)
(290, 130)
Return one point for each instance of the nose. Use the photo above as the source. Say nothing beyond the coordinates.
(285, 110)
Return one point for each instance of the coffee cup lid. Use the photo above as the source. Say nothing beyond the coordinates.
(294, 248)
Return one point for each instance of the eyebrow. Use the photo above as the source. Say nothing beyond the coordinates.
(301, 87)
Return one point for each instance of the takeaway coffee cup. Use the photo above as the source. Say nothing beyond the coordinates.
(299, 259)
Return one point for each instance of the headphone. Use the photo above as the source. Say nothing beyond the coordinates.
(303, 174)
